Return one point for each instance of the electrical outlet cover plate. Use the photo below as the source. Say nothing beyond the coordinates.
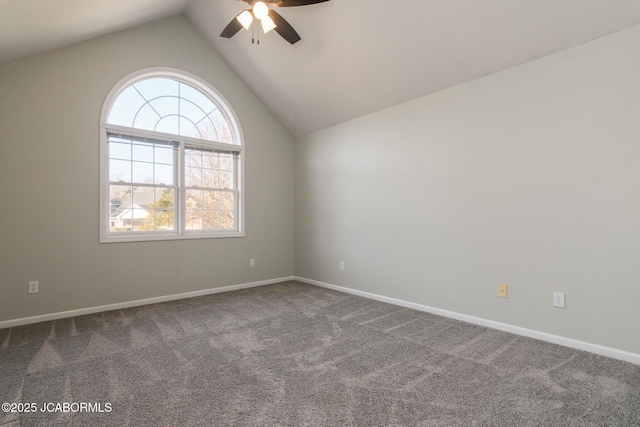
(33, 287)
(558, 299)
(502, 291)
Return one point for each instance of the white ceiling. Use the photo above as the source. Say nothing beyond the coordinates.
(32, 27)
(355, 57)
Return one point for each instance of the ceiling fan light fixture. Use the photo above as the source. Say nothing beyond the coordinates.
(268, 24)
(260, 10)
(245, 19)
(270, 19)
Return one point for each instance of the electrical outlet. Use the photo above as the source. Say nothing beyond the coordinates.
(252, 262)
(33, 287)
(502, 291)
(558, 299)
(341, 265)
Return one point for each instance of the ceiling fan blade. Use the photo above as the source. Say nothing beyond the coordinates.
(233, 27)
(284, 28)
(291, 3)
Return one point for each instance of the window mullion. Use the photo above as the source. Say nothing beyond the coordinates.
(137, 184)
(181, 211)
(236, 197)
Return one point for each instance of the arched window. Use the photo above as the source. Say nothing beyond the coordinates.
(171, 160)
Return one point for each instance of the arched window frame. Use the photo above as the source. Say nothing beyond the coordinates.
(180, 231)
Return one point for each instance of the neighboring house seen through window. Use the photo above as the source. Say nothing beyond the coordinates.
(171, 161)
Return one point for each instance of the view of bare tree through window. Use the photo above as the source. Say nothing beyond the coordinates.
(209, 179)
(210, 198)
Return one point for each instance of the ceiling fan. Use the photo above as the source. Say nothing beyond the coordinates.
(269, 18)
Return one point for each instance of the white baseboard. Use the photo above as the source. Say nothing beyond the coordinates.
(136, 303)
(555, 339)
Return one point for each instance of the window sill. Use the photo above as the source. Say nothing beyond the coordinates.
(169, 236)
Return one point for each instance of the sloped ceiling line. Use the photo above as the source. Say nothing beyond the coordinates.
(355, 56)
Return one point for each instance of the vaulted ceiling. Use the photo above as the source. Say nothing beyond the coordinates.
(355, 57)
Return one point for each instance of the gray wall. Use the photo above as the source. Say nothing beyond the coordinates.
(49, 116)
(529, 177)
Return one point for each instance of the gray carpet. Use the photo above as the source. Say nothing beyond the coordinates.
(291, 354)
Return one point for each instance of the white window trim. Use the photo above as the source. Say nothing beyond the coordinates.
(179, 233)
